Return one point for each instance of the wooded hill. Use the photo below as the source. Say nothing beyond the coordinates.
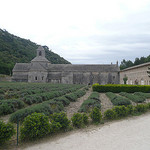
(14, 49)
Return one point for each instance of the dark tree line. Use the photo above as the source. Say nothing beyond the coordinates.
(14, 49)
(128, 63)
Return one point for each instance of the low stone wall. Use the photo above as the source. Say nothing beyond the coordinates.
(5, 78)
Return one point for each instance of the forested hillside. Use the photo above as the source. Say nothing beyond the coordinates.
(14, 49)
(128, 63)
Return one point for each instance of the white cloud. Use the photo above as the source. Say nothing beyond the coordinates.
(82, 31)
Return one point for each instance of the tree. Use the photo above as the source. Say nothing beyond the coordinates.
(125, 79)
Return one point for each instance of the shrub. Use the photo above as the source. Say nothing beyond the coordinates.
(10, 106)
(21, 114)
(71, 97)
(77, 120)
(63, 99)
(134, 98)
(46, 96)
(47, 108)
(34, 126)
(32, 99)
(62, 119)
(118, 100)
(89, 104)
(121, 111)
(6, 132)
(94, 95)
(6, 109)
(130, 109)
(110, 114)
(141, 108)
(85, 118)
(75, 95)
(54, 126)
(1, 97)
(145, 95)
(79, 93)
(92, 101)
(148, 105)
(96, 115)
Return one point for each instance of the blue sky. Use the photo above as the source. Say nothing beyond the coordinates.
(82, 31)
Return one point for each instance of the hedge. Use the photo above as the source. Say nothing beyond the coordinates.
(118, 100)
(117, 88)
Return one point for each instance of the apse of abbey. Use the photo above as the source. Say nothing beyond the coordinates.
(41, 70)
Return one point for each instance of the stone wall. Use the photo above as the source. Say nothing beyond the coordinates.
(5, 78)
(84, 77)
(37, 76)
(136, 75)
(20, 76)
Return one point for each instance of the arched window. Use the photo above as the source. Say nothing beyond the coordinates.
(36, 78)
(40, 53)
(142, 82)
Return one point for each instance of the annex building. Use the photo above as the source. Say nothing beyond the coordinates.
(136, 75)
(41, 70)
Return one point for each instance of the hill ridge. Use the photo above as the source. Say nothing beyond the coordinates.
(14, 49)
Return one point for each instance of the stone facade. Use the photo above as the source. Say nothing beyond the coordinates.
(41, 70)
(136, 75)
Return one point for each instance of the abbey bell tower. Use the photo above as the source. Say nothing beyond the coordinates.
(40, 52)
(40, 56)
(38, 69)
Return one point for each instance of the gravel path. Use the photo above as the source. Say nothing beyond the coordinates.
(130, 134)
(74, 106)
(105, 102)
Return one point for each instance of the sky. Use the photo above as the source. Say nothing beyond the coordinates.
(82, 31)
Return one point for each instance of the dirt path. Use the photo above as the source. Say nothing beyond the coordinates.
(105, 102)
(74, 106)
(147, 101)
(5, 118)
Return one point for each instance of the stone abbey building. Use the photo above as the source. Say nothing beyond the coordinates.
(136, 75)
(41, 70)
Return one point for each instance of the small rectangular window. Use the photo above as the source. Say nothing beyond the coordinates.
(35, 78)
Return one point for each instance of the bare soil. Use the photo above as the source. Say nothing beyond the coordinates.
(105, 103)
(74, 106)
(5, 118)
(147, 101)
